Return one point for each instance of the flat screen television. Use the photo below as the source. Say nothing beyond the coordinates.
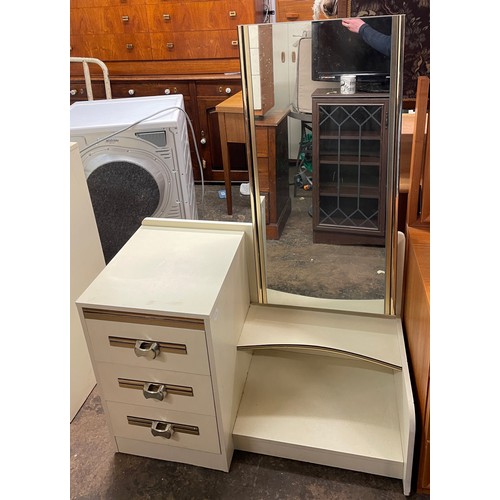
(337, 51)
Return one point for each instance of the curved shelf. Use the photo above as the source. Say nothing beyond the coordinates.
(368, 338)
(317, 349)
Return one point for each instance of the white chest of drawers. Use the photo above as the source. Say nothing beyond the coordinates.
(162, 322)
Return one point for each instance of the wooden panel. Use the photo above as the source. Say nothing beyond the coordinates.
(218, 88)
(112, 47)
(235, 128)
(194, 45)
(145, 88)
(418, 167)
(263, 166)
(109, 20)
(293, 10)
(416, 318)
(262, 142)
(417, 323)
(195, 16)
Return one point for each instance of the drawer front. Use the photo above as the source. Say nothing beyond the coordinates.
(103, 335)
(218, 89)
(138, 89)
(176, 391)
(195, 45)
(206, 439)
(293, 10)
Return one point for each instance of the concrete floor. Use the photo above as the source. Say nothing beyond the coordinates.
(297, 265)
(97, 472)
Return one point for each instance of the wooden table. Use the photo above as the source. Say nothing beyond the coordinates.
(272, 158)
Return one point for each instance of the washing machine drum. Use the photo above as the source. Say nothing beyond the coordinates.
(123, 194)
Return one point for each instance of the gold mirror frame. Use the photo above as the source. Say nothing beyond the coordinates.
(392, 279)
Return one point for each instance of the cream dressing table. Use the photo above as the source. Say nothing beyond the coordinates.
(190, 367)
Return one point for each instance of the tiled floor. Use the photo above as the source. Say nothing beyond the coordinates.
(97, 472)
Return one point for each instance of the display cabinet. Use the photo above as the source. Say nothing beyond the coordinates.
(349, 167)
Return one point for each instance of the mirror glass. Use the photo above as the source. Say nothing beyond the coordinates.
(324, 160)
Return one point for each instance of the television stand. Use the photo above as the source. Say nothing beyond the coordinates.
(373, 87)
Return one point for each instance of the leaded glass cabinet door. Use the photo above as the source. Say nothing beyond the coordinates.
(349, 167)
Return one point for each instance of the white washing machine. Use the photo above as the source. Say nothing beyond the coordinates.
(137, 162)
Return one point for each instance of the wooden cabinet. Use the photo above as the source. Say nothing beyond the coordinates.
(417, 329)
(349, 167)
(164, 351)
(156, 30)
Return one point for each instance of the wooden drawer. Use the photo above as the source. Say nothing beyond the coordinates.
(293, 10)
(193, 16)
(195, 45)
(146, 88)
(184, 391)
(114, 341)
(206, 439)
(110, 20)
(218, 89)
(108, 47)
(78, 90)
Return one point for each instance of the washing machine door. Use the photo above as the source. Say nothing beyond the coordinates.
(123, 193)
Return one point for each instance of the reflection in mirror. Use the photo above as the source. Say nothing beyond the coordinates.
(323, 153)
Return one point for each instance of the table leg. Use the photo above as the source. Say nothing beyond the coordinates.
(225, 162)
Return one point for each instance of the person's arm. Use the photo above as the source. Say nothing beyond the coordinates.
(377, 40)
(372, 37)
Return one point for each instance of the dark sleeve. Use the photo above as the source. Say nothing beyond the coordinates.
(375, 39)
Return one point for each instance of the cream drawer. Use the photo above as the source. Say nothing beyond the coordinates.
(157, 388)
(177, 349)
(196, 432)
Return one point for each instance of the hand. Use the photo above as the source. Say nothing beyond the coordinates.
(353, 24)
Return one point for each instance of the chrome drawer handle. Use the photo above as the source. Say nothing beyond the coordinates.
(125, 19)
(154, 391)
(147, 349)
(162, 429)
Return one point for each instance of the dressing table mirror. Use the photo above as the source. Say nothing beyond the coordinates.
(336, 169)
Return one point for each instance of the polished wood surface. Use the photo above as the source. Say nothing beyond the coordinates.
(416, 320)
(416, 301)
(419, 189)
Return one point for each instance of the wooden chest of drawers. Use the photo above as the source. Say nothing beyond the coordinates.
(163, 346)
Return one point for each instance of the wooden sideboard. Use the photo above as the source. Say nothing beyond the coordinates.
(272, 152)
(416, 302)
(417, 330)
